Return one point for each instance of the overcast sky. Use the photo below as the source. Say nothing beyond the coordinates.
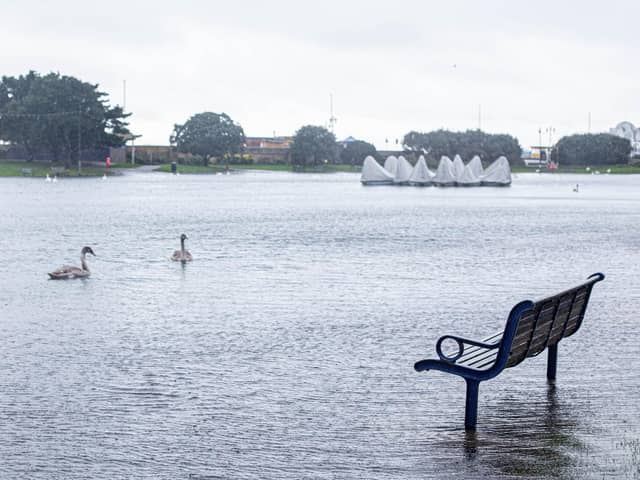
(391, 66)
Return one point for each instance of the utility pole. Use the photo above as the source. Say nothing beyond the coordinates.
(79, 142)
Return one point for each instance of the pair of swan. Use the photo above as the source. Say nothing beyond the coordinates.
(67, 272)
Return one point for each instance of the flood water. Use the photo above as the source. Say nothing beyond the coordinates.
(285, 350)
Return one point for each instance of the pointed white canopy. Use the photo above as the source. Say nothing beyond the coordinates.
(390, 164)
(476, 166)
(374, 174)
(468, 177)
(403, 171)
(498, 173)
(421, 174)
(445, 175)
(458, 167)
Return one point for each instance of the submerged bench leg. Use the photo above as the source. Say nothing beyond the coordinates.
(471, 407)
(552, 362)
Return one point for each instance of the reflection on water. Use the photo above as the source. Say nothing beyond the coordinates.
(547, 448)
(285, 349)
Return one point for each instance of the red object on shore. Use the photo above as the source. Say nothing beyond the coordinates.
(108, 161)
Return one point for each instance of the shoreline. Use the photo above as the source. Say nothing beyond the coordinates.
(91, 170)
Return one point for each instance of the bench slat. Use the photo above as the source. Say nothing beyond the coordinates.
(472, 350)
(488, 359)
(548, 322)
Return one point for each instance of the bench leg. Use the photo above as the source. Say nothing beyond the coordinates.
(552, 362)
(471, 406)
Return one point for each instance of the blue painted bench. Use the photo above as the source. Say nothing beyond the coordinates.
(531, 328)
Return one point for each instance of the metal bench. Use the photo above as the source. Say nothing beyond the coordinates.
(27, 171)
(531, 327)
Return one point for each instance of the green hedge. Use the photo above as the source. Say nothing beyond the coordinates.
(592, 149)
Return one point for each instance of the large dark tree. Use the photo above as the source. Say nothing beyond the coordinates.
(354, 153)
(58, 114)
(592, 149)
(467, 144)
(209, 135)
(313, 146)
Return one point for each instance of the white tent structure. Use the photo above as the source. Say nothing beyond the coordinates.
(498, 174)
(458, 167)
(476, 166)
(421, 175)
(445, 176)
(374, 174)
(469, 177)
(390, 164)
(403, 171)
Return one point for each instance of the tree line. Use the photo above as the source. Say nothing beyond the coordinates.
(468, 144)
(59, 115)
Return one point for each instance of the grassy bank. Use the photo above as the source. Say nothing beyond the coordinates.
(189, 169)
(289, 168)
(39, 169)
(613, 169)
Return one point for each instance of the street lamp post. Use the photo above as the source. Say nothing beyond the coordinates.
(540, 136)
(550, 130)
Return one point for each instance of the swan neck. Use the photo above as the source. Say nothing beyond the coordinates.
(83, 262)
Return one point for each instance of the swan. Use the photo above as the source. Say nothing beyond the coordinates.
(55, 178)
(104, 177)
(68, 271)
(48, 178)
(182, 255)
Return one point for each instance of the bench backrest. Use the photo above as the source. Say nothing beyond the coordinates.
(545, 322)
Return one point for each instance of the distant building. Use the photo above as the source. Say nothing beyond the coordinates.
(268, 149)
(268, 142)
(538, 156)
(630, 132)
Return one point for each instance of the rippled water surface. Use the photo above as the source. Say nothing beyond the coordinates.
(285, 350)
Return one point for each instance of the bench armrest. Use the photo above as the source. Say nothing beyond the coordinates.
(461, 343)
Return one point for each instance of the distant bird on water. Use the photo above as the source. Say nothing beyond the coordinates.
(67, 272)
(576, 188)
(183, 254)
